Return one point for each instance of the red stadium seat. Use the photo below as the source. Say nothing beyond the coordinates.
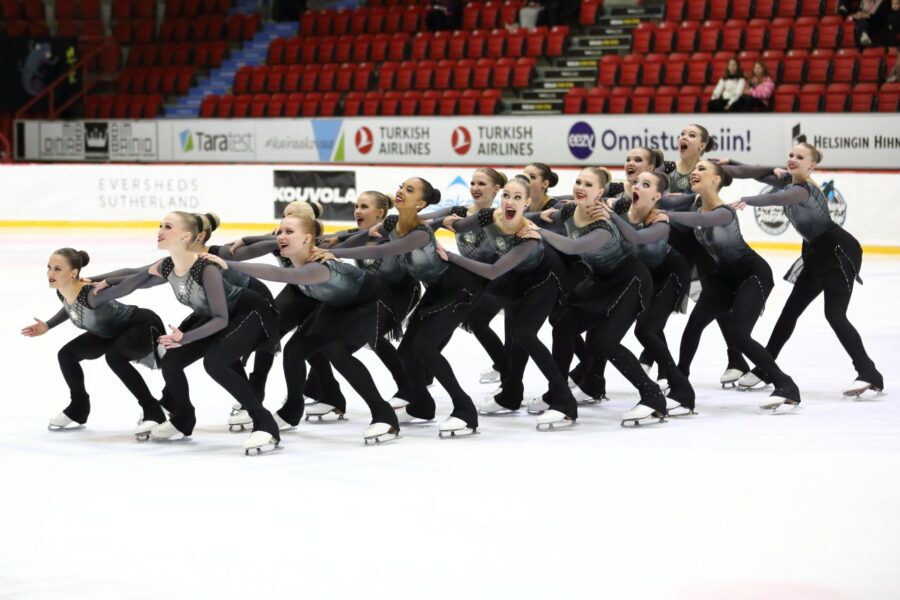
(688, 99)
(489, 102)
(409, 104)
(788, 8)
(475, 46)
(829, 32)
(889, 97)
(340, 24)
(225, 107)
(573, 103)
(443, 74)
(674, 10)
(630, 70)
(293, 107)
(755, 35)
(794, 66)
(556, 40)
(309, 79)
(871, 66)
(523, 72)
(208, 106)
(428, 103)
(397, 47)
(275, 105)
(811, 8)
(378, 52)
(343, 48)
(664, 100)
(804, 34)
(764, 9)
(780, 32)
(423, 74)
(595, 103)
(733, 35)
(448, 102)
(836, 97)
(786, 97)
(642, 38)
(863, 97)
(695, 10)
(588, 14)
(642, 99)
(456, 47)
(818, 69)
(327, 78)
(481, 73)
(688, 34)
(608, 73)
(619, 100)
(676, 69)
(664, 37)
(698, 68)
(710, 35)
(418, 47)
(405, 73)
(810, 100)
(652, 69)
(719, 10)
(353, 103)
(515, 44)
(462, 73)
(503, 70)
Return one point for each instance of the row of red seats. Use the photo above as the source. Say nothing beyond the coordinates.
(72, 9)
(139, 106)
(36, 28)
(318, 104)
(498, 43)
(757, 34)
(80, 27)
(27, 10)
(156, 80)
(837, 97)
(406, 75)
(701, 68)
(699, 10)
(107, 61)
(202, 54)
(588, 11)
(487, 15)
(237, 27)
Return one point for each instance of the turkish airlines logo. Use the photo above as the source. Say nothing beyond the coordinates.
(461, 140)
(364, 140)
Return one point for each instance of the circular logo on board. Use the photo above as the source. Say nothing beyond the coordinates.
(364, 140)
(461, 140)
(581, 140)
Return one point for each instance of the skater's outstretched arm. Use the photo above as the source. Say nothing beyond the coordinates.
(671, 202)
(467, 224)
(143, 279)
(61, 316)
(308, 274)
(588, 243)
(120, 273)
(248, 252)
(647, 235)
(793, 195)
(358, 239)
(411, 241)
(504, 264)
(719, 216)
(214, 287)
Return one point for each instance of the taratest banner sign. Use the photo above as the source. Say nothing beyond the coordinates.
(853, 141)
(863, 203)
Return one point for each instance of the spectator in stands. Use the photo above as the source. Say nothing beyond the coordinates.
(869, 21)
(758, 91)
(729, 88)
(443, 15)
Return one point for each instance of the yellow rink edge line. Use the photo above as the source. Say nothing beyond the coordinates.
(790, 246)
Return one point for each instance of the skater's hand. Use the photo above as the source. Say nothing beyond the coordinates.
(171, 340)
(99, 286)
(319, 255)
(448, 222)
(547, 215)
(86, 280)
(738, 205)
(39, 328)
(528, 231)
(217, 260)
(235, 245)
(154, 268)
(327, 242)
(440, 251)
(600, 210)
(779, 172)
(375, 231)
(656, 216)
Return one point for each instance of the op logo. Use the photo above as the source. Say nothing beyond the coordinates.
(461, 140)
(364, 140)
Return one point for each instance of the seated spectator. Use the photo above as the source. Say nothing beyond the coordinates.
(443, 15)
(758, 92)
(729, 88)
(869, 21)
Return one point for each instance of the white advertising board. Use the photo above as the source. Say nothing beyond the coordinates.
(848, 141)
(253, 194)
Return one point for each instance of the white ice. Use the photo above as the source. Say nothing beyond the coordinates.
(727, 504)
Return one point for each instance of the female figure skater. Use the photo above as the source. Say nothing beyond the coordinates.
(830, 262)
(237, 321)
(353, 310)
(450, 294)
(120, 332)
(739, 286)
(693, 143)
(609, 299)
(525, 280)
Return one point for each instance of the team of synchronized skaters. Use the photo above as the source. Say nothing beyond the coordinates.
(612, 256)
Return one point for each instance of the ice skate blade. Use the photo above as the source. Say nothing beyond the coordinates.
(650, 420)
(380, 440)
(729, 385)
(488, 380)
(681, 411)
(262, 449)
(781, 408)
(592, 401)
(239, 427)
(752, 388)
(558, 426)
(866, 395)
(331, 417)
(458, 433)
(65, 428)
(171, 440)
(506, 412)
(142, 437)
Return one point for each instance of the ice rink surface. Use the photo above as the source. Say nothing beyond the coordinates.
(727, 504)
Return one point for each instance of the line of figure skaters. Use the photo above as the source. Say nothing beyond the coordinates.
(612, 256)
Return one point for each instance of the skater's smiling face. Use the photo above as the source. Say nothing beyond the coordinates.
(588, 186)
(802, 159)
(514, 200)
(60, 272)
(692, 142)
(637, 161)
(411, 195)
(296, 236)
(173, 233)
(483, 189)
(708, 176)
(367, 212)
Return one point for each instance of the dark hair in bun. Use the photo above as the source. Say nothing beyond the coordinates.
(547, 173)
(76, 259)
(656, 156)
(705, 138)
(316, 207)
(723, 174)
(429, 194)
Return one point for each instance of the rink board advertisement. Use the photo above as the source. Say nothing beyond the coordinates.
(853, 141)
(252, 195)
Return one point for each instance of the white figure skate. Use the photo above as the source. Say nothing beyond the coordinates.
(63, 423)
(380, 433)
(259, 442)
(166, 432)
(553, 420)
(489, 376)
(321, 412)
(639, 413)
(750, 381)
(239, 421)
(730, 377)
(861, 390)
(453, 427)
(142, 431)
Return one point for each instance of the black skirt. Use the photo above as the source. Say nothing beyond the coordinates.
(831, 262)
(722, 286)
(368, 319)
(457, 289)
(673, 271)
(600, 293)
(141, 336)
